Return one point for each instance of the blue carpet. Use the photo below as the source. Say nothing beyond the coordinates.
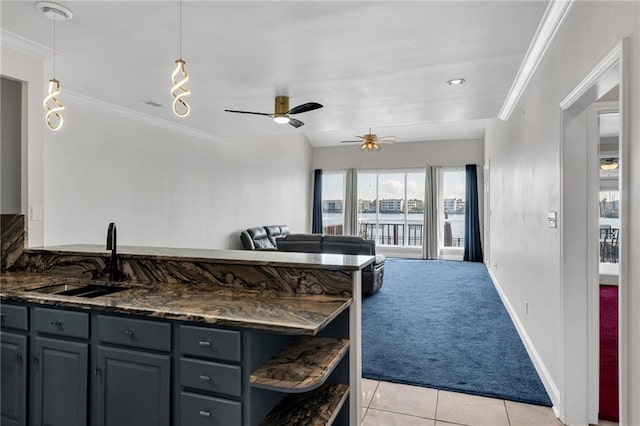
(441, 324)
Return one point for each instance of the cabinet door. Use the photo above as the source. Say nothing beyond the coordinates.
(59, 382)
(13, 411)
(133, 388)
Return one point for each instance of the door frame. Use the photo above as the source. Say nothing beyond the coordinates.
(577, 299)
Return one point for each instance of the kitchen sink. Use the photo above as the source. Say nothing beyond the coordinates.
(79, 290)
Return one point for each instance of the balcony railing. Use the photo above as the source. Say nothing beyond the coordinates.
(393, 233)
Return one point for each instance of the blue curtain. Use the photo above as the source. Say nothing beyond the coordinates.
(316, 224)
(472, 244)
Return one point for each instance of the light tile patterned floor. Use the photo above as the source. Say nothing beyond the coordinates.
(390, 404)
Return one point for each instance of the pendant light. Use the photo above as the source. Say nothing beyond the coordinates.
(53, 106)
(178, 91)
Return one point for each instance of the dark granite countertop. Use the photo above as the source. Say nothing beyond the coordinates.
(275, 258)
(198, 302)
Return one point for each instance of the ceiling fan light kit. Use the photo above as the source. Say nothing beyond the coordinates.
(371, 142)
(282, 113)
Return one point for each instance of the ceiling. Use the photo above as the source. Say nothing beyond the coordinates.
(373, 64)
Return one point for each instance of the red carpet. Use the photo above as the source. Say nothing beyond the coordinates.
(609, 352)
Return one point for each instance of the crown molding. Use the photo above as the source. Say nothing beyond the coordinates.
(103, 106)
(24, 45)
(552, 20)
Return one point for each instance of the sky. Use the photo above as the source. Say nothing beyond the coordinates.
(392, 185)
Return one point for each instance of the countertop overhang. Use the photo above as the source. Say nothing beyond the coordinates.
(196, 302)
(252, 257)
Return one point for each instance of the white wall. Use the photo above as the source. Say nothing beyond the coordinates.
(11, 147)
(162, 188)
(29, 70)
(525, 183)
(401, 155)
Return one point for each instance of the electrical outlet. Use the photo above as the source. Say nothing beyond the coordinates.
(495, 265)
(526, 307)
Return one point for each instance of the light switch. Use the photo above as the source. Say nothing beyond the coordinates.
(552, 218)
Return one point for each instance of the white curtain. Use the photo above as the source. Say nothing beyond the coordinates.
(351, 203)
(430, 228)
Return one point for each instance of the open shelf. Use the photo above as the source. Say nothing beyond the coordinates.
(316, 408)
(301, 367)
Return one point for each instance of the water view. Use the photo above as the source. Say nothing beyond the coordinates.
(391, 229)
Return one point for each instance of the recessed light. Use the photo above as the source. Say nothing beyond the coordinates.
(456, 82)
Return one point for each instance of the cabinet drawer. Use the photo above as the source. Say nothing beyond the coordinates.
(134, 332)
(210, 343)
(63, 323)
(211, 376)
(198, 410)
(12, 316)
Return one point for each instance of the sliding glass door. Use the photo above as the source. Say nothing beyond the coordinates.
(451, 211)
(333, 189)
(391, 207)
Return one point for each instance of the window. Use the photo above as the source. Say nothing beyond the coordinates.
(333, 184)
(391, 207)
(609, 226)
(452, 208)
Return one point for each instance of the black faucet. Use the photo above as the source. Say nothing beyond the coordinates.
(112, 242)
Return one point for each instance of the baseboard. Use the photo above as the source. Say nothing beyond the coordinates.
(547, 381)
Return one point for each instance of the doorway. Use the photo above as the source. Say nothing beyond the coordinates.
(582, 156)
(604, 125)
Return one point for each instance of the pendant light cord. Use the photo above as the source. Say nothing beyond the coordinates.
(54, 48)
(180, 29)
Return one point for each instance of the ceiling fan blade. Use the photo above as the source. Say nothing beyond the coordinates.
(249, 112)
(350, 141)
(387, 141)
(309, 106)
(386, 137)
(295, 123)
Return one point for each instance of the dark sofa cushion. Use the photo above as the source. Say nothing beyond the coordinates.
(342, 244)
(276, 231)
(305, 243)
(259, 239)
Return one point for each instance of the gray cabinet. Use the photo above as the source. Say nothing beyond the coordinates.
(132, 388)
(209, 377)
(59, 382)
(13, 408)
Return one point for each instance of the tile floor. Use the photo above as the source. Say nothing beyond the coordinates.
(391, 404)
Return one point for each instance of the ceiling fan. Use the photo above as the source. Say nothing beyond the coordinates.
(282, 112)
(371, 141)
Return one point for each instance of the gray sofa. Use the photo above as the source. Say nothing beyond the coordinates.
(263, 237)
(372, 275)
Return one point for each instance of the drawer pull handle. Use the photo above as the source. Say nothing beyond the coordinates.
(205, 344)
(205, 378)
(205, 413)
(128, 333)
(57, 324)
